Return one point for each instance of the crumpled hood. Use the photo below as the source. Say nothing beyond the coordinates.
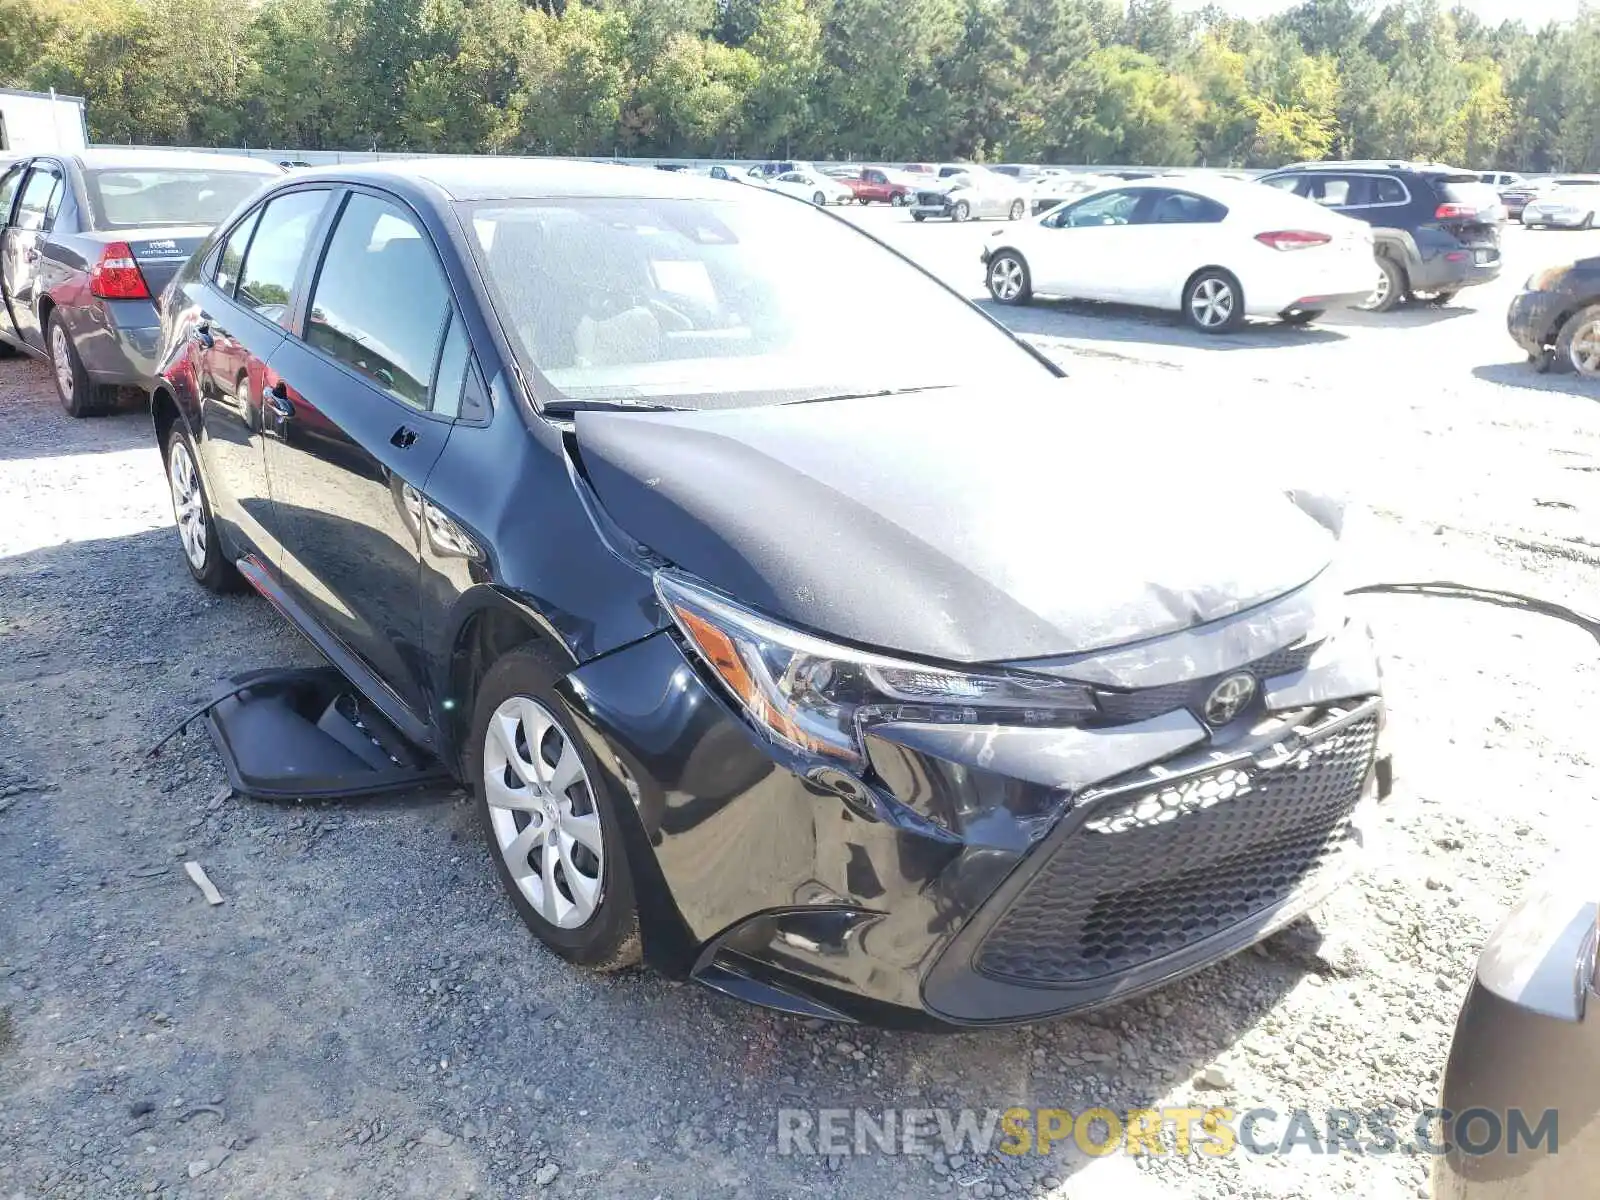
(957, 524)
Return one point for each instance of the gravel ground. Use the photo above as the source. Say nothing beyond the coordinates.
(365, 1017)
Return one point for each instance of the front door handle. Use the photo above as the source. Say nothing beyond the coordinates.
(402, 438)
(277, 400)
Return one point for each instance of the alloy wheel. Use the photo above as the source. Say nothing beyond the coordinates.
(1212, 303)
(1584, 349)
(61, 360)
(543, 813)
(1380, 294)
(187, 506)
(1005, 278)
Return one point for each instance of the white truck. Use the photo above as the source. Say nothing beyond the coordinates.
(36, 122)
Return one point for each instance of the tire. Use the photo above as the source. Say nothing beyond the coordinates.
(898, 199)
(819, 199)
(1008, 278)
(594, 924)
(7, 350)
(961, 211)
(919, 217)
(1214, 302)
(1300, 316)
(1018, 208)
(862, 200)
(1578, 343)
(79, 395)
(203, 552)
(1392, 286)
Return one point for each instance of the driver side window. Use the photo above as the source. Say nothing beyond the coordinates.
(1108, 208)
(9, 183)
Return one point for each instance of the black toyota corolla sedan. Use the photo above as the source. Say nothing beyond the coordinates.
(837, 655)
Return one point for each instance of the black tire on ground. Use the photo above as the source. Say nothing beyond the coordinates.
(1391, 290)
(818, 199)
(1008, 278)
(82, 397)
(1018, 208)
(1562, 360)
(7, 350)
(1207, 281)
(216, 572)
(1299, 316)
(862, 200)
(961, 211)
(609, 939)
(919, 216)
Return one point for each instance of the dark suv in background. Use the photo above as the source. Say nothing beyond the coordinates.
(1436, 229)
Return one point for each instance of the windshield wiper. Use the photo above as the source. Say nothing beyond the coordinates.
(565, 408)
(900, 391)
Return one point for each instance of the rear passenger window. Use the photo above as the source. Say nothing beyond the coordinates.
(452, 373)
(282, 234)
(1333, 191)
(233, 253)
(1387, 191)
(381, 300)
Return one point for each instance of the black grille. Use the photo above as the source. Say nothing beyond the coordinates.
(1147, 873)
(931, 199)
(1191, 693)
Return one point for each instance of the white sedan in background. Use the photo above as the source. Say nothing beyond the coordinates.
(1566, 202)
(1216, 250)
(813, 186)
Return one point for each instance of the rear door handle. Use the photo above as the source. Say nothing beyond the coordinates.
(403, 438)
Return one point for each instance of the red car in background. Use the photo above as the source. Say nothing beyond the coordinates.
(877, 184)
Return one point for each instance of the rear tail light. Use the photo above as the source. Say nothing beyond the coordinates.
(1293, 239)
(1454, 212)
(117, 276)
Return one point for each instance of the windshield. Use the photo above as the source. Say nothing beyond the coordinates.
(690, 303)
(127, 199)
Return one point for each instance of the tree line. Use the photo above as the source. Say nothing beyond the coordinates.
(1067, 81)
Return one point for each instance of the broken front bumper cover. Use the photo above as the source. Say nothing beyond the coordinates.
(909, 895)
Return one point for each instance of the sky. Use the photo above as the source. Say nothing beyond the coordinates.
(1532, 13)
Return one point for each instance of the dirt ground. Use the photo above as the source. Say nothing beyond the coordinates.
(364, 1016)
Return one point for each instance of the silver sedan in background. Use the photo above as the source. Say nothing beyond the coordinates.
(88, 240)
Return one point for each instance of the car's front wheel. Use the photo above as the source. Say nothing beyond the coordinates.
(1390, 289)
(79, 395)
(961, 211)
(197, 531)
(1009, 282)
(919, 217)
(547, 816)
(1578, 343)
(1213, 302)
(818, 199)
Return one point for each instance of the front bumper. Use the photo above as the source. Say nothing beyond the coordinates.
(977, 875)
(1534, 319)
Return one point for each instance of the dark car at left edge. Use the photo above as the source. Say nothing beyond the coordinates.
(1556, 318)
(839, 656)
(88, 240)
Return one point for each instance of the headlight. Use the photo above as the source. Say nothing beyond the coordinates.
(818, 697)
(1543, 281)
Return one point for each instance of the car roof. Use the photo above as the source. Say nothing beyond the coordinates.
(1374, 164)
(177, 160)
(523, 178)
(1221, 189)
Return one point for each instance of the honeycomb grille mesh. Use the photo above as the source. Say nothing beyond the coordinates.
(1191, 693)
(1149, 875)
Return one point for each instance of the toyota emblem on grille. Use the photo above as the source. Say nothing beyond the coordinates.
(1228, 699)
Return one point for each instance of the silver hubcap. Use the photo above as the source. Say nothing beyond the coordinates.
(1381, 292)
(1005, 278)
(1212, 303)
(186, 505)
(543, 813)
(1585, 351)
(61, 359)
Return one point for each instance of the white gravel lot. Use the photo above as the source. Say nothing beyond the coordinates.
(365, 1018)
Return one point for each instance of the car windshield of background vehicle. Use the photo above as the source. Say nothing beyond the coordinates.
(132, 199)
(692, 303)
(1465, 189)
